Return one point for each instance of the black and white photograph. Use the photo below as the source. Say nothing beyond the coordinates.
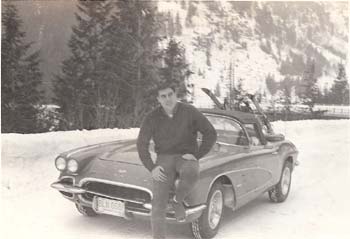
(166, 119)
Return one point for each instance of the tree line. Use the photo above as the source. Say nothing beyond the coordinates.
(119, 52)
(117, 58)
(305, 89)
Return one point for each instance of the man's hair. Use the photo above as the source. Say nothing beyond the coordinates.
(165, 85)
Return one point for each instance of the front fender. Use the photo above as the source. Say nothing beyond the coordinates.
(288, 151)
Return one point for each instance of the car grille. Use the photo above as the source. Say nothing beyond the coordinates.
(115, 191)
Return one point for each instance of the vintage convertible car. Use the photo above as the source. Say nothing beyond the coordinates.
(109, 178)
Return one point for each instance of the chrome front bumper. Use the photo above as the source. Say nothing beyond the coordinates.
(67, 188)
(191, 212)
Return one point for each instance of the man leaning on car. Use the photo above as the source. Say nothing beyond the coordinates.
(173, 126)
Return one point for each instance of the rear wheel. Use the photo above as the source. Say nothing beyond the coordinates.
(281, 190)
(207, 225)
(86, 211)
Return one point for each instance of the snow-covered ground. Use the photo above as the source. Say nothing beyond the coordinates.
(317, 207)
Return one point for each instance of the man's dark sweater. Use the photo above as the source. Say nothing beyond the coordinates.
(176, 135)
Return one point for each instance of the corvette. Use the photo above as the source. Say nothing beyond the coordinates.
(245, 162)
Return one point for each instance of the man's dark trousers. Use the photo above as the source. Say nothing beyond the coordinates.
(173, 164)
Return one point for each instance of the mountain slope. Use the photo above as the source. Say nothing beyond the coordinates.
(260, 39)
(223, 39)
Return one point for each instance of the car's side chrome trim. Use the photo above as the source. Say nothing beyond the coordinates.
(67, 188)
(227, 144)
(234, 171)
(255, 189)
(116, 183)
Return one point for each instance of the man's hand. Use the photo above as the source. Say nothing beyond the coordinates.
(189, 157)
(158, 174)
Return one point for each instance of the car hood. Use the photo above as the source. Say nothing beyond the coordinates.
(124, 152)
(123, 172)
(114, 162)
(98, 149)
(117, 162)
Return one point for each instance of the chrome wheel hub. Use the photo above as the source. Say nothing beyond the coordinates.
(215, 209)
(286, 178)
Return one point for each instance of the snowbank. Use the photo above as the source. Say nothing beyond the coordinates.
(317, 205)
(28, 159)
(17, 148)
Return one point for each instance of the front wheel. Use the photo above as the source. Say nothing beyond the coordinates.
(207, 225)
(86, 211)
(281, 190)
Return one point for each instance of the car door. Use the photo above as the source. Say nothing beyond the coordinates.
(264, 156)
(233, 148)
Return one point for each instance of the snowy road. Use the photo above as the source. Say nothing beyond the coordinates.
(317, 207)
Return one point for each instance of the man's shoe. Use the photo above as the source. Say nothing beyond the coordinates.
(180, 211)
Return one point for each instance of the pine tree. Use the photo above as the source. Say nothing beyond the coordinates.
(176, 69)
(286, 87)
(20, 76)
(163, 23)
(271, 84)
(217, 90)
(83, 89)
(340, 88)
(171, 26)
(183, 4)
(310, 90)
(135, 27)
(191, 12)
(239, 88)
(178, 26)
(232, 91)
(208, 56)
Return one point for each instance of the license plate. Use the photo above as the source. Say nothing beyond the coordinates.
(108, 206)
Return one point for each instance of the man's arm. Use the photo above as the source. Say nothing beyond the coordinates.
(143, 142)
(208, 132)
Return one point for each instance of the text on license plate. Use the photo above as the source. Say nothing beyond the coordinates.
(108, 206)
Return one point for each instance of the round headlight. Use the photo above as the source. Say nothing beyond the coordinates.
(61, 163)
(72, 165)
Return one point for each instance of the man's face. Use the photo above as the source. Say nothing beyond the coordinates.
(167, 98)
